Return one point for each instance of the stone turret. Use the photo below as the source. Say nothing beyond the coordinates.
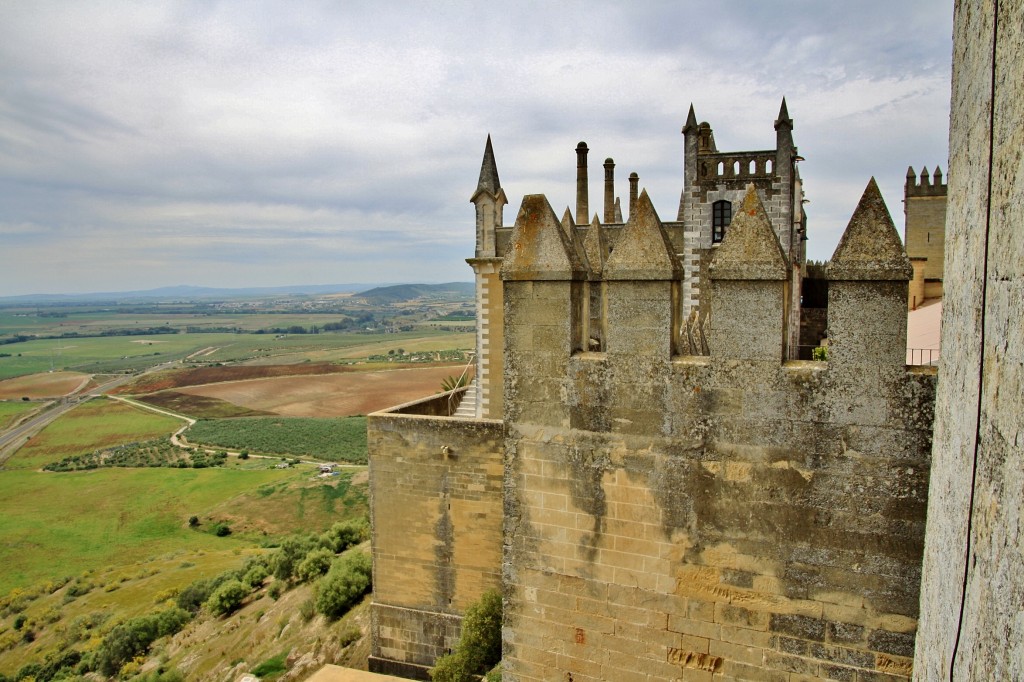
(868, 275)
(489, 199)
(749, 275)
(543, 280)
(924, 232)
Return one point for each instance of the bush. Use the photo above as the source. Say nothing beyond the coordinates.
(19, 622)
(344, 534)
(255, 576)
(287, 558)
(132, 638)
(275, 590)
(479, 647)
(314, 565)
(193, 521)
(222, 530)
(227, 598)
(347, 581)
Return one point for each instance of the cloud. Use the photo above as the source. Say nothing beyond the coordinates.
(237, 133)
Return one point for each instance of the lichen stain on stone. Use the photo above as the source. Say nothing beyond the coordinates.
(444, 549)
(587, 468)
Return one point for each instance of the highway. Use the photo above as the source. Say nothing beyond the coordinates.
(14, 438)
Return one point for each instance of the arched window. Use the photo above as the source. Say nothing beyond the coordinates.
(721, 216)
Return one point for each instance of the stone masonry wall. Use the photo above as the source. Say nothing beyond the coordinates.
(972, 594)
(926, 231)
(435, 494)
(726, 517)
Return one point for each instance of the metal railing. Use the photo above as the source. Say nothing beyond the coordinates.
(923, 357)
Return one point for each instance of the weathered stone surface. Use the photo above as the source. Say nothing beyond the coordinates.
(870, 248)
(751, 250)
(540, 249)
(973, 575)
(644, 251)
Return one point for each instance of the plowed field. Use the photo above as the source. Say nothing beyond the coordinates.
(329, 395)
(48, 385)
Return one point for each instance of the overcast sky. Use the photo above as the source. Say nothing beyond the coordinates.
(149, 144)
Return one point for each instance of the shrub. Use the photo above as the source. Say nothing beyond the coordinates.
(479, 647)
(820, 353)
(344, 534)
(227, 598)
(316, 563)
(307, 610)
(193, 521)
(255, 576)
(244, 454)
(133, 637)
(347, 581)
(287, 558)
(275, 664)
(222, 530)
(275, 590)
(19, 622)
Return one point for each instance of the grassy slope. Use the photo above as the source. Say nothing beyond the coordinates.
(95, 424)
(11, 410)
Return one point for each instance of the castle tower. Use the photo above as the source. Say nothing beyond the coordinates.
(715, 183)
(924, 232)
(489, 199)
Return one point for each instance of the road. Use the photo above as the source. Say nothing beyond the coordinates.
(13, 439)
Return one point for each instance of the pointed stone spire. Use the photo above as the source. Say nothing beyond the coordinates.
(924, 176)
(691, 122)
(488, 173)
(575, 239)
(643, 251)
(539, 249)
(783, 121)
(937, 176)
(911, 175)
(617, 213)
(595, 246)
(751, 249)
(870, 248)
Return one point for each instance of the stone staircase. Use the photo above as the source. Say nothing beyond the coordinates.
(467, 406)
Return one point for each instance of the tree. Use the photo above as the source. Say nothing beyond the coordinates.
(226, 598)
(479, 647)
(347, 581)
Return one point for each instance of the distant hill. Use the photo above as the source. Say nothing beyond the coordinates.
(185, 292)
(400, 293)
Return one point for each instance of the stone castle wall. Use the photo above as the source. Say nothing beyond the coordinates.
(973, 584)
(735, 516)
(435, 489)
(925, 226)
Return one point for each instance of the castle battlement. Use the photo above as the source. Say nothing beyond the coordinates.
(925, 185)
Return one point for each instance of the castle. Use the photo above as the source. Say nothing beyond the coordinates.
(924, 206)
(661, 492)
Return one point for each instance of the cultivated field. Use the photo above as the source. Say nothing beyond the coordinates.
(48, 385)
(96, 424)
(337, 440)
(330, 395)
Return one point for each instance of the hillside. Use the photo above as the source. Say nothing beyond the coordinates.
(402, 293)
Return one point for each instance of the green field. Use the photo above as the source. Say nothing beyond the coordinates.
(336, 440)
(111, 354)
(95, 424)
(10, 411)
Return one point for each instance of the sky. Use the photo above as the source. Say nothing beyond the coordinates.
(240, 144)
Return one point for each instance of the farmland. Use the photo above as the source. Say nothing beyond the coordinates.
(336, 440)
(139, 518)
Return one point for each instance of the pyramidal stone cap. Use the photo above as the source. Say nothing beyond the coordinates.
(751, 249)
(539, 248)
(870, 248)
(595, 247)
(643, 251)
(488, 181)
(569, 227)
